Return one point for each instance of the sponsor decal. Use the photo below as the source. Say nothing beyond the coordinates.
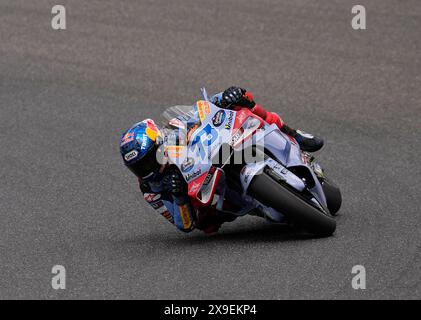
(152, 134)
(195, 187)
(193, 175)
(151, 130)
(277, 166)
(236, 137)
(218, 118)
(201, 115)
(209, 176)
(130, 155)
(167, 215)
(128, 137)
(228, 125)
(280, 169)
(157, 205)
(251, 123)
(185, 216)
(241, 116)
(172, 138)
(203, 109)
(161, 209)
(207, 179)
(187, 164)
(174, 151)
(151, 197)
(203, 139)
(206, 106)
(145, 141)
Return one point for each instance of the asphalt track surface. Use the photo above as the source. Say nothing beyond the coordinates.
(66, 96)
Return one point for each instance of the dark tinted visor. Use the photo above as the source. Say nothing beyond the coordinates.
(146, 165)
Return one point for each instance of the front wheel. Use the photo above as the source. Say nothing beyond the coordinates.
(272, 194)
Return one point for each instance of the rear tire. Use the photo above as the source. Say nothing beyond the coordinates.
(272, 194)
(333, 196)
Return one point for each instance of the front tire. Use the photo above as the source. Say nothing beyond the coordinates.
(272, 194)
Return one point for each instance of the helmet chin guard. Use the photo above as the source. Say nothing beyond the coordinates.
(138, 148)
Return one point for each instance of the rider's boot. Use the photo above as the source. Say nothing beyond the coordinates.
(306, 141)
(209, 220)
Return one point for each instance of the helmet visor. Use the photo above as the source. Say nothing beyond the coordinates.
(146, 165)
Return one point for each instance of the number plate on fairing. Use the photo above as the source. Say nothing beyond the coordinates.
(195, 159)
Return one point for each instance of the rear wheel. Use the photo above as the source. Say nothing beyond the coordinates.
(296, 209)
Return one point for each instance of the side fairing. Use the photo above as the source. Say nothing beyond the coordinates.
(287, 151)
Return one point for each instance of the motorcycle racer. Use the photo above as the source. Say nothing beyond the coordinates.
(163, 186)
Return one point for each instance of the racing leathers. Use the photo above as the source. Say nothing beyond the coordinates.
(173, 206)
(158, 191)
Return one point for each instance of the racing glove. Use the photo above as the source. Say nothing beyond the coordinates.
(236, 96)
(174, 182)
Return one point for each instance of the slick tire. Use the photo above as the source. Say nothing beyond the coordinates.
(333, 196)
(302, 214)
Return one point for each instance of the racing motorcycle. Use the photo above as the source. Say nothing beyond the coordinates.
(236, 157)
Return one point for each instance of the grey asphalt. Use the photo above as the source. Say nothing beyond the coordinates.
(66, 96)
